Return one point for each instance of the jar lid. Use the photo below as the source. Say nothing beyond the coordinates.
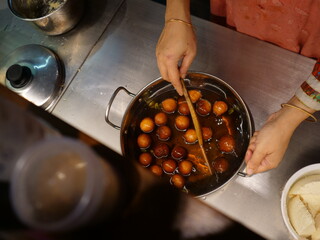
(34, 72)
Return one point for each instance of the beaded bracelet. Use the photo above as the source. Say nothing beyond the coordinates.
(179, 20)
(306, 112)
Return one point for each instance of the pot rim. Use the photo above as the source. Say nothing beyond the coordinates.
(236, 94)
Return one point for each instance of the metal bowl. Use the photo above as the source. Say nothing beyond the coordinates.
(54, 17)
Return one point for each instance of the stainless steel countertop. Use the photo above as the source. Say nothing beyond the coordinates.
(263, 74)
(72, 47)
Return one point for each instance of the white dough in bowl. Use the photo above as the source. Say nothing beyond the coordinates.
(300, 217)
(313, 203)
(307, 185)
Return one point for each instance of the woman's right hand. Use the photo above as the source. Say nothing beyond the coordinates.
(176, 43)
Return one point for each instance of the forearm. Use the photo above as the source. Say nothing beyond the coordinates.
(307, 98)
(178, 9)
(291, 117)
(268, 145)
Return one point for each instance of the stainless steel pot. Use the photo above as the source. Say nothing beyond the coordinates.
(54, 17)
(143, 101)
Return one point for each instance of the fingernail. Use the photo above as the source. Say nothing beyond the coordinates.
(249, 171)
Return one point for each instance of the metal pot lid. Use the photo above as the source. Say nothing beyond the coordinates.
(34, 72)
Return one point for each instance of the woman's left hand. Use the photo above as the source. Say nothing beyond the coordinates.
(268, 146)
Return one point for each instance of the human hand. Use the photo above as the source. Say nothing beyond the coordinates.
(268, 146)
(177, 42)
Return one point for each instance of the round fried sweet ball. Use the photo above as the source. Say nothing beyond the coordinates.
(226, 143)
(144, 140)
(206, 133)
(219, 108)
(181, 99)
(203, 107)
(183, 108)
(179, 152)
(169, 165)
(220, 165)
(195, 95)
(161, 150)
(169, 105)
(164, 133)
(182, 122)
(145, 159)
(161, 119)
(156, 169)
(147, 125)
(190, 136)
(178, 181)
(185, 167)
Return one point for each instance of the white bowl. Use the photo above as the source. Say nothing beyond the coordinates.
(308, 170)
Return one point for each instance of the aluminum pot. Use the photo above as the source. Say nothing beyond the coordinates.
(54, 17)
(142, 103)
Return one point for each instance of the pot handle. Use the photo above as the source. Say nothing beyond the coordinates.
(242, 174)
(110, 104)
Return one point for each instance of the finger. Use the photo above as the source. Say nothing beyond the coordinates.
(270, 161)
(255, 134)
(185, 64)
(163, 71)
(255, 161)
(248, 155)
(265, 165)
(251, 148)
(252, 144)
(174, 78)
(253, 139)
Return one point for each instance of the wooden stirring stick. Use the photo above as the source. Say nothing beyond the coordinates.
(195, 123)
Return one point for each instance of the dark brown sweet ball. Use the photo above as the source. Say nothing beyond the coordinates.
(182, 123)
(144, 140)
(178, 181)
(161, 150)
(206, 133)
(226, 143)
(169, 105)
(169, 166)
(220, 165)
(219, 108)
(156, 169)
(190, 136)
(179, 152)
(183, 108)
(161, 119)
(164, 133)
(203, 107)
(145, 159)
(147, 125)
(181, 99)
(185, 167)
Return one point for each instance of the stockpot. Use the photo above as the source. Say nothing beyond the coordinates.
(144, 100)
